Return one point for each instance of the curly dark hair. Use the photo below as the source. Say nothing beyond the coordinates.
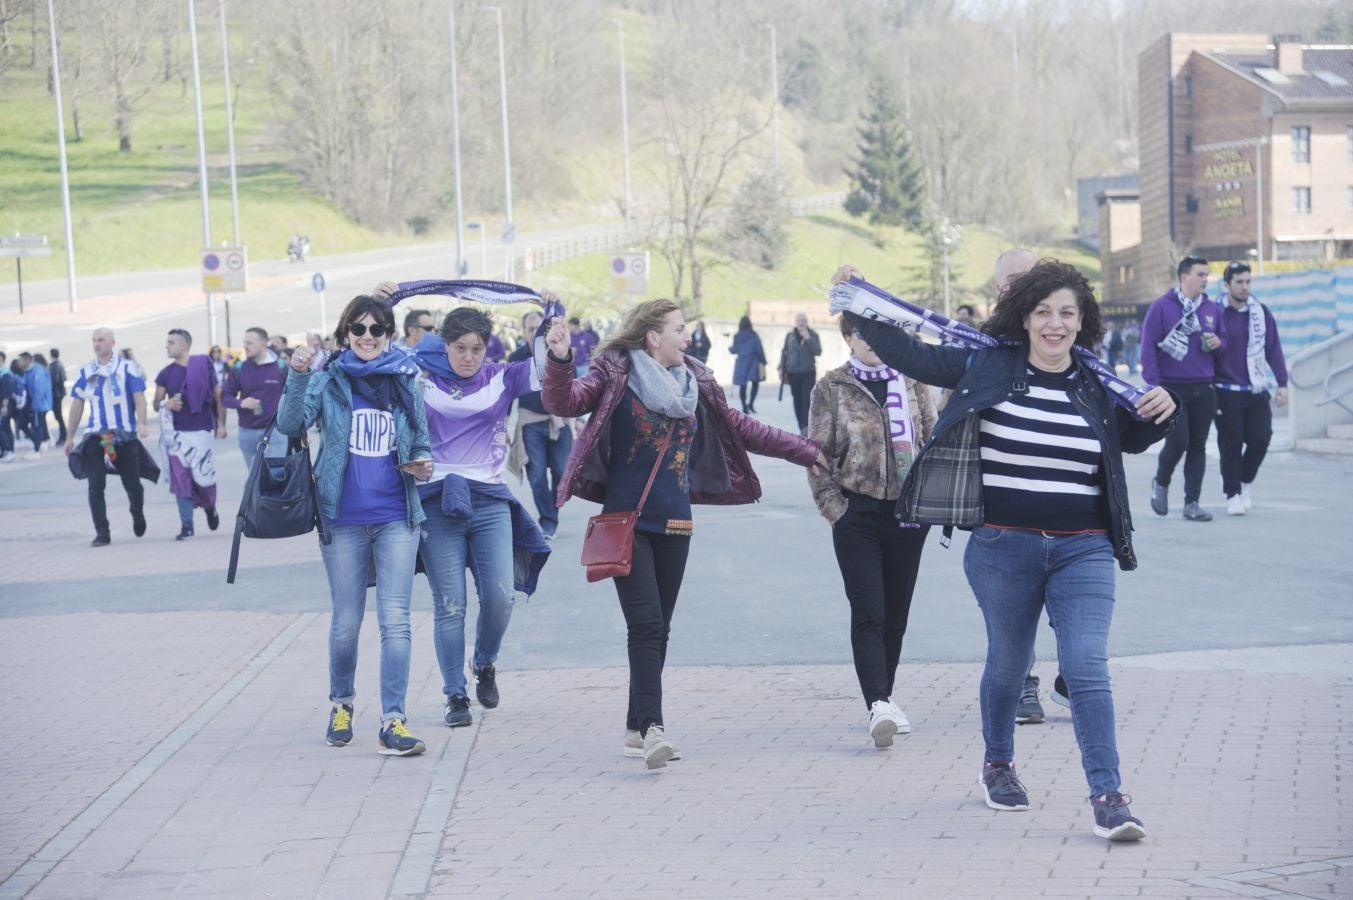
(1026, 291)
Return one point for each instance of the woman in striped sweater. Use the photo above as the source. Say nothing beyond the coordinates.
(1028, 454)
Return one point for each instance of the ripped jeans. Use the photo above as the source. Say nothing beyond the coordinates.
(484, 546)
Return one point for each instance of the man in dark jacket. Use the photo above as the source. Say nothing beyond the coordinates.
(254, 388)
(798, 366)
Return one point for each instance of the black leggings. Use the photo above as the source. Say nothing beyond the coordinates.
(879, 560)
(647, 598)
(748, 404)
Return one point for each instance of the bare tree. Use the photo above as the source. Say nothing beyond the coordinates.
(122, 32)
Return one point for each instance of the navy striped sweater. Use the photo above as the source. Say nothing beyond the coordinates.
(1041, 460)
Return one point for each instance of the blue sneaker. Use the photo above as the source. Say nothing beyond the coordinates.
(339, 733)
(1002, 788)
(396, 741)
(1113, 819)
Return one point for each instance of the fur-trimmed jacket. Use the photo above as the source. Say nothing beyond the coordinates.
(853, 431)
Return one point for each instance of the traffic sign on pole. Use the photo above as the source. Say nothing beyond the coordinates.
(317, 284)
(629, 273)
(225, 270)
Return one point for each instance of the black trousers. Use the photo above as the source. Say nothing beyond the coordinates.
(60, 417)
(1188, 438)
(748, 404)
(128, 467)
(648, 597)
(879, 560)
(801, 389)
(1244, 429)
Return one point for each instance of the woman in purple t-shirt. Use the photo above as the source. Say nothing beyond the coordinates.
(468, 506)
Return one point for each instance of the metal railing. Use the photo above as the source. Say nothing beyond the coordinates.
(1322, 377)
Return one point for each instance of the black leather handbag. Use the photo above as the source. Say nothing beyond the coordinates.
(280, 499)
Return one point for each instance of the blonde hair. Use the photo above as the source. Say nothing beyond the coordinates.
(648, 316)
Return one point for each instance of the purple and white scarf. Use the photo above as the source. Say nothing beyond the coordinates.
(491, 293)
(864, 299)
(1176, 344)
(901, 427)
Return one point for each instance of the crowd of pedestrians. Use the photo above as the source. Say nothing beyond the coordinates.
(1020, 444)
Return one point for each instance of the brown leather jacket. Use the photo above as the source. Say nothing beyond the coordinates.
(720, 472)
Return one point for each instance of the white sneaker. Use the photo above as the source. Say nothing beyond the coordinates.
(7, 457)
(634, 745)
(1235, 506)
(903, 725)
(657, 749)
(35, 455)
(1245, 495)
(883, 723)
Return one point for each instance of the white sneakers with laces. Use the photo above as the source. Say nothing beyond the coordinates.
(1235, 506)
(886, 720)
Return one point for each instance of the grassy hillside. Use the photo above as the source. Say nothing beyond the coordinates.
(821, 244)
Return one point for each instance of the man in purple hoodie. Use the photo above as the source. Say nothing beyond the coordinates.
(188, 399)
(254, 388)
(1181, 341)
(1245, 387)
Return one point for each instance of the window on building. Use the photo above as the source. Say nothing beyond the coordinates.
(1301, 200)
(1301, 144)
(1350, 143)
(1188, 144)
(1191, 204)
(1188, 85)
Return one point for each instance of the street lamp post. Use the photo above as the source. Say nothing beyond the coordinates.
(774, 94)
(509, 227)
(461, 265)
(483, 248)
(65, 172)
(201, 162)
(624, 120)
(230, 128)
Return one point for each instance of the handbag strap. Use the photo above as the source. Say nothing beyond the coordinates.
(657, 464)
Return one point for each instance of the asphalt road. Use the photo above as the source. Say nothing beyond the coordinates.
(762, 586)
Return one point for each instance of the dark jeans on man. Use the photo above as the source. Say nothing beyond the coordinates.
(801, 389)
(1188, 438)
(545, 461)
(878, 560)
(128, 467)
(1244, 429)
(647, 598)
(6, 434)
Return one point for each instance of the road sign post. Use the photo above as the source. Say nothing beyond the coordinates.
(22, 245)
(317, 285)
(629, 273)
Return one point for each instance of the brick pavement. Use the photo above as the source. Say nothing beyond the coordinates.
(1238, 777)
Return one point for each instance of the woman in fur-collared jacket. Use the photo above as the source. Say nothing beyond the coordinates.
(870, 420)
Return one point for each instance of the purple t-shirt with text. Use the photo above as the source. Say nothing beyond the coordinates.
(373, 488)
(467, 419)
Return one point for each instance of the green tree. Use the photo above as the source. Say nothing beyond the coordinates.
(885, 182)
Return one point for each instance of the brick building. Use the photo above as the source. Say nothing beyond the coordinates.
(1237, 134)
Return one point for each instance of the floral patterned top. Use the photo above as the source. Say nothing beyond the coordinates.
(636, 434)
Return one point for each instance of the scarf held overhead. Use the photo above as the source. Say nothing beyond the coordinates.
(864, 299)
(491, 293)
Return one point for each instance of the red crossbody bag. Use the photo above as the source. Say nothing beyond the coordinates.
(608, 545)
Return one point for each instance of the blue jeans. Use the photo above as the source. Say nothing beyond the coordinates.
(394, 547)
(249, 438)
(484, 545)
(545, 462)
(1014, 573)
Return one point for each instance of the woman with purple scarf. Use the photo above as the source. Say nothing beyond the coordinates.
(368, 501)
(870, 420)
(472, 520)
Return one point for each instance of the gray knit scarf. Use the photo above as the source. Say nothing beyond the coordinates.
(672, 392)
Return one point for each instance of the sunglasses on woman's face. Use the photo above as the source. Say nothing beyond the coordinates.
(357, 329)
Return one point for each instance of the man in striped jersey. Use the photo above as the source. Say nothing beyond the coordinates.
(114, 388)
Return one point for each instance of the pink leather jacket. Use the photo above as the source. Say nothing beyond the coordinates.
(720, 472)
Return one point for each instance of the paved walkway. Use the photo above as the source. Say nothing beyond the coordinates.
(182, 754)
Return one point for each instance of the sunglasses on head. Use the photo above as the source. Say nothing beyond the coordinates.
(357, 329)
